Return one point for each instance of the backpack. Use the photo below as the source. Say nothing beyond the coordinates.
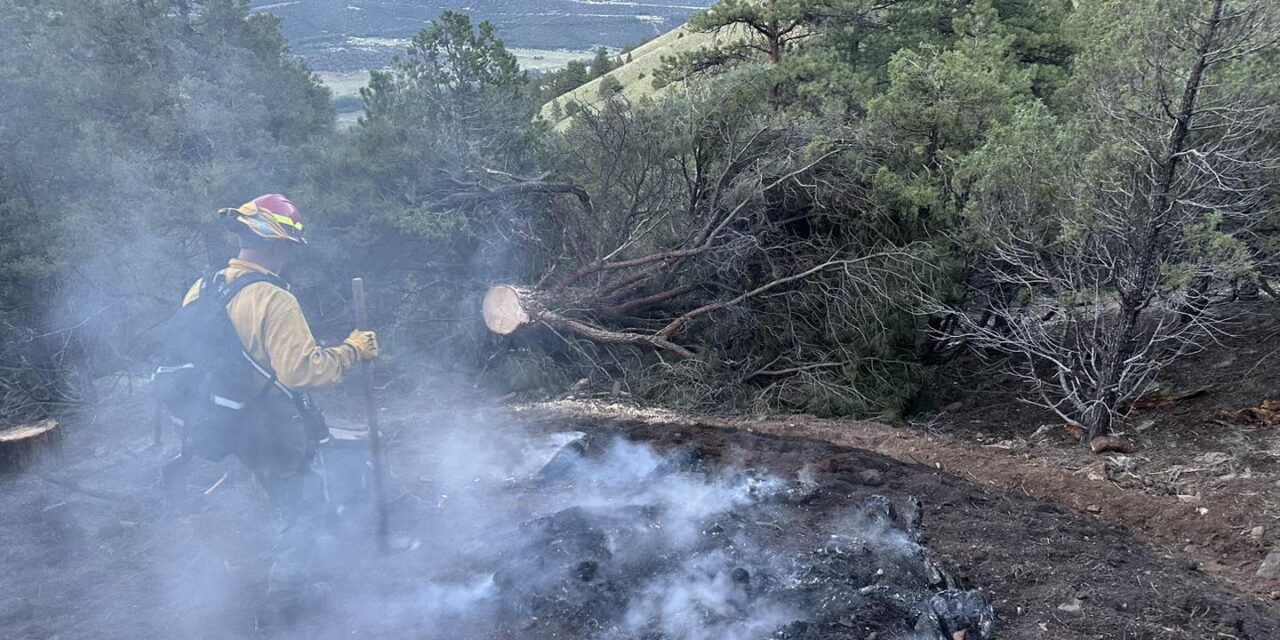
(208, 382)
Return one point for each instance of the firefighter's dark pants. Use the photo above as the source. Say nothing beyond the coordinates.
(298, 502)
(285, 463)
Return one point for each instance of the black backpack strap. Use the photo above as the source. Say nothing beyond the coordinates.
(228, 291)
(301, 401)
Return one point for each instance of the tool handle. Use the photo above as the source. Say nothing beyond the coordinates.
(371, 408)
(357, 298)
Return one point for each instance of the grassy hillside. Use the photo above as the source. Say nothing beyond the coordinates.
(636, 76)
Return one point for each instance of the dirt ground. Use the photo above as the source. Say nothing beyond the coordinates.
(1204, 483)
(105, 557)
(1035, 558)
(1205, 479)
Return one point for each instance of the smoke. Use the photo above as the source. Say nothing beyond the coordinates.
(510, 532)
(707, 598)
(123, 127)
(566, 534)
(503, 530)
(548, 527)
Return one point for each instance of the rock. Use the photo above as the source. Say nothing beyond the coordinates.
(795, 493)
(21, 445)
(1257, 532)
(1093, 508)
(1097, 471)
(870, 478)
(953, 407)
(1270, 567)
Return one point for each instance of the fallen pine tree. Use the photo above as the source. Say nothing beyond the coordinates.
(726, 260)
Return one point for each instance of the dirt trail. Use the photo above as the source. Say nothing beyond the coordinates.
(1202, 533)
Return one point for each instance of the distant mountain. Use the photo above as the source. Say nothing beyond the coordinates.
(349, 35)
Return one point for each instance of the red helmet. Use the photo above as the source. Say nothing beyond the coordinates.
(271, 216)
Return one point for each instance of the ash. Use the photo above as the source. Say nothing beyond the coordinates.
(574, 537)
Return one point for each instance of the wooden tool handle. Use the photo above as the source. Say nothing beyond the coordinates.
(371, 407)
(357, 298)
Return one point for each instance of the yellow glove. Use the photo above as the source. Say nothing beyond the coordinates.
(364, 342)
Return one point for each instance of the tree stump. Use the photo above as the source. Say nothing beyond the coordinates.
(21, 444)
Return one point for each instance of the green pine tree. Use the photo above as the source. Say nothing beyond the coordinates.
(600, 64)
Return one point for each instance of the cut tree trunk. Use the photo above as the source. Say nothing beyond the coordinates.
(507, 308)
(20, 445)
(502, 310)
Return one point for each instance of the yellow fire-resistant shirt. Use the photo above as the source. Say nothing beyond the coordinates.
(273, 330)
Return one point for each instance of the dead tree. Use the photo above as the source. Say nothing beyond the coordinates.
(1109, 283)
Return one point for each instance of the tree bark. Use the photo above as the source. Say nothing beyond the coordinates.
(506, 309)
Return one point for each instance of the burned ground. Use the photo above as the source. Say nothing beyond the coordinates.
(124, 563)
(1051, 573)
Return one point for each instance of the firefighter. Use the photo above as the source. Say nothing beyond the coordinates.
(281, 430)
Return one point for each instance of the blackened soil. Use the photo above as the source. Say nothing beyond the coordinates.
(126, 564)
(1050, 573)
